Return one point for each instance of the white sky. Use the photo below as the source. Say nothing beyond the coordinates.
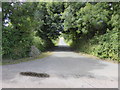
(22, 0)
(0, 9)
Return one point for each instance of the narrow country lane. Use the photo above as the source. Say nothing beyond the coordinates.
(66, 68)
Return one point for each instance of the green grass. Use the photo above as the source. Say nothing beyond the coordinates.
(95, 57)
(42, 55)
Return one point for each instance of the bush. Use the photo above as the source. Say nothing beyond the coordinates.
(103, 46)
(39, 43)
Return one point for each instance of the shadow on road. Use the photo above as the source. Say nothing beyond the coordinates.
(62, 48)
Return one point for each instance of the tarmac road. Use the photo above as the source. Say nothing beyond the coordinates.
(66, 68)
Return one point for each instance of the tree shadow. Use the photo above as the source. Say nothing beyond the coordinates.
(62, 48)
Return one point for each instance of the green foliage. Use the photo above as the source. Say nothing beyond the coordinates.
(39, 43)
(93, 28)
(27, 24)
(88, 27)
(17, 38)
(103, 46)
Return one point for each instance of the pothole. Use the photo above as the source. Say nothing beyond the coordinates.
(34, 74)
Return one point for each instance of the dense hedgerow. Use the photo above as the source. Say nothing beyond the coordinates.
(88, 27)
(93, 28)
(103, 46)
(27, 24)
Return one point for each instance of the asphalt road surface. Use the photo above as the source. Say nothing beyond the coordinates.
(66, 68)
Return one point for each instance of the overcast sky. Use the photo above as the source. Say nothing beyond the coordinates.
(0, 9)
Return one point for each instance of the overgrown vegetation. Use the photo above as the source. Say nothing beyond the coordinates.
(42, 55)
(88, 27)
(93, 28)
(27, 24)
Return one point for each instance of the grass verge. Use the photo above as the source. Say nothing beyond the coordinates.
(95, 57)
(42, 55)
